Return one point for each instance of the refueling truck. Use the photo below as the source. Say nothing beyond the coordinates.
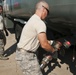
(61, 21)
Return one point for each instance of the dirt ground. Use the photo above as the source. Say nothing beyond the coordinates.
(63, 65)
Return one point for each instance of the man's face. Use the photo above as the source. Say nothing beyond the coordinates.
(45, 12)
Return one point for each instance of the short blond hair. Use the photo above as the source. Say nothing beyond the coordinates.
(42, 3)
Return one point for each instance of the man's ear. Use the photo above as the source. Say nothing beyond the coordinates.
(43, 10)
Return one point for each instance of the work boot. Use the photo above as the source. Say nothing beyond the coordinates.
(3, 57)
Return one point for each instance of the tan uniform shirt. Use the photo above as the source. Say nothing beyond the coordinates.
(1, 22)
(29, 39)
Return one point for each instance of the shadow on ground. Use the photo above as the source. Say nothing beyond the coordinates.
(69, 59)
(10, 50)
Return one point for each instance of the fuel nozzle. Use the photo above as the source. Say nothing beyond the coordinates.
(67, 44)
(56, 45)
(45, 61)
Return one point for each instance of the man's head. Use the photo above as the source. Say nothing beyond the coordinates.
(1, 9)
(42, 9)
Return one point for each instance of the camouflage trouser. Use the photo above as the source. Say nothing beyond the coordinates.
(2, 42)
(28, 63)
(1, 47)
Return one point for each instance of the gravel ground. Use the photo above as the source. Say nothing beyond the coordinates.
(10, 67)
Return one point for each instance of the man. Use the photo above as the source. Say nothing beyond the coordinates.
(33, 35)
(2, 35)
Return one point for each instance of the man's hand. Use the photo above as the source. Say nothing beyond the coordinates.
(56, 45)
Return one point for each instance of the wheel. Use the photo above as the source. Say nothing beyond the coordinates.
(18, 30)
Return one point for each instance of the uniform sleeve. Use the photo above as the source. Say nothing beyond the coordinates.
(41, 27)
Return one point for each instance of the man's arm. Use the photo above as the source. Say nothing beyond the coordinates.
(44, 42)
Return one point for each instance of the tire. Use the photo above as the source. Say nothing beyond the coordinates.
(18, 30)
